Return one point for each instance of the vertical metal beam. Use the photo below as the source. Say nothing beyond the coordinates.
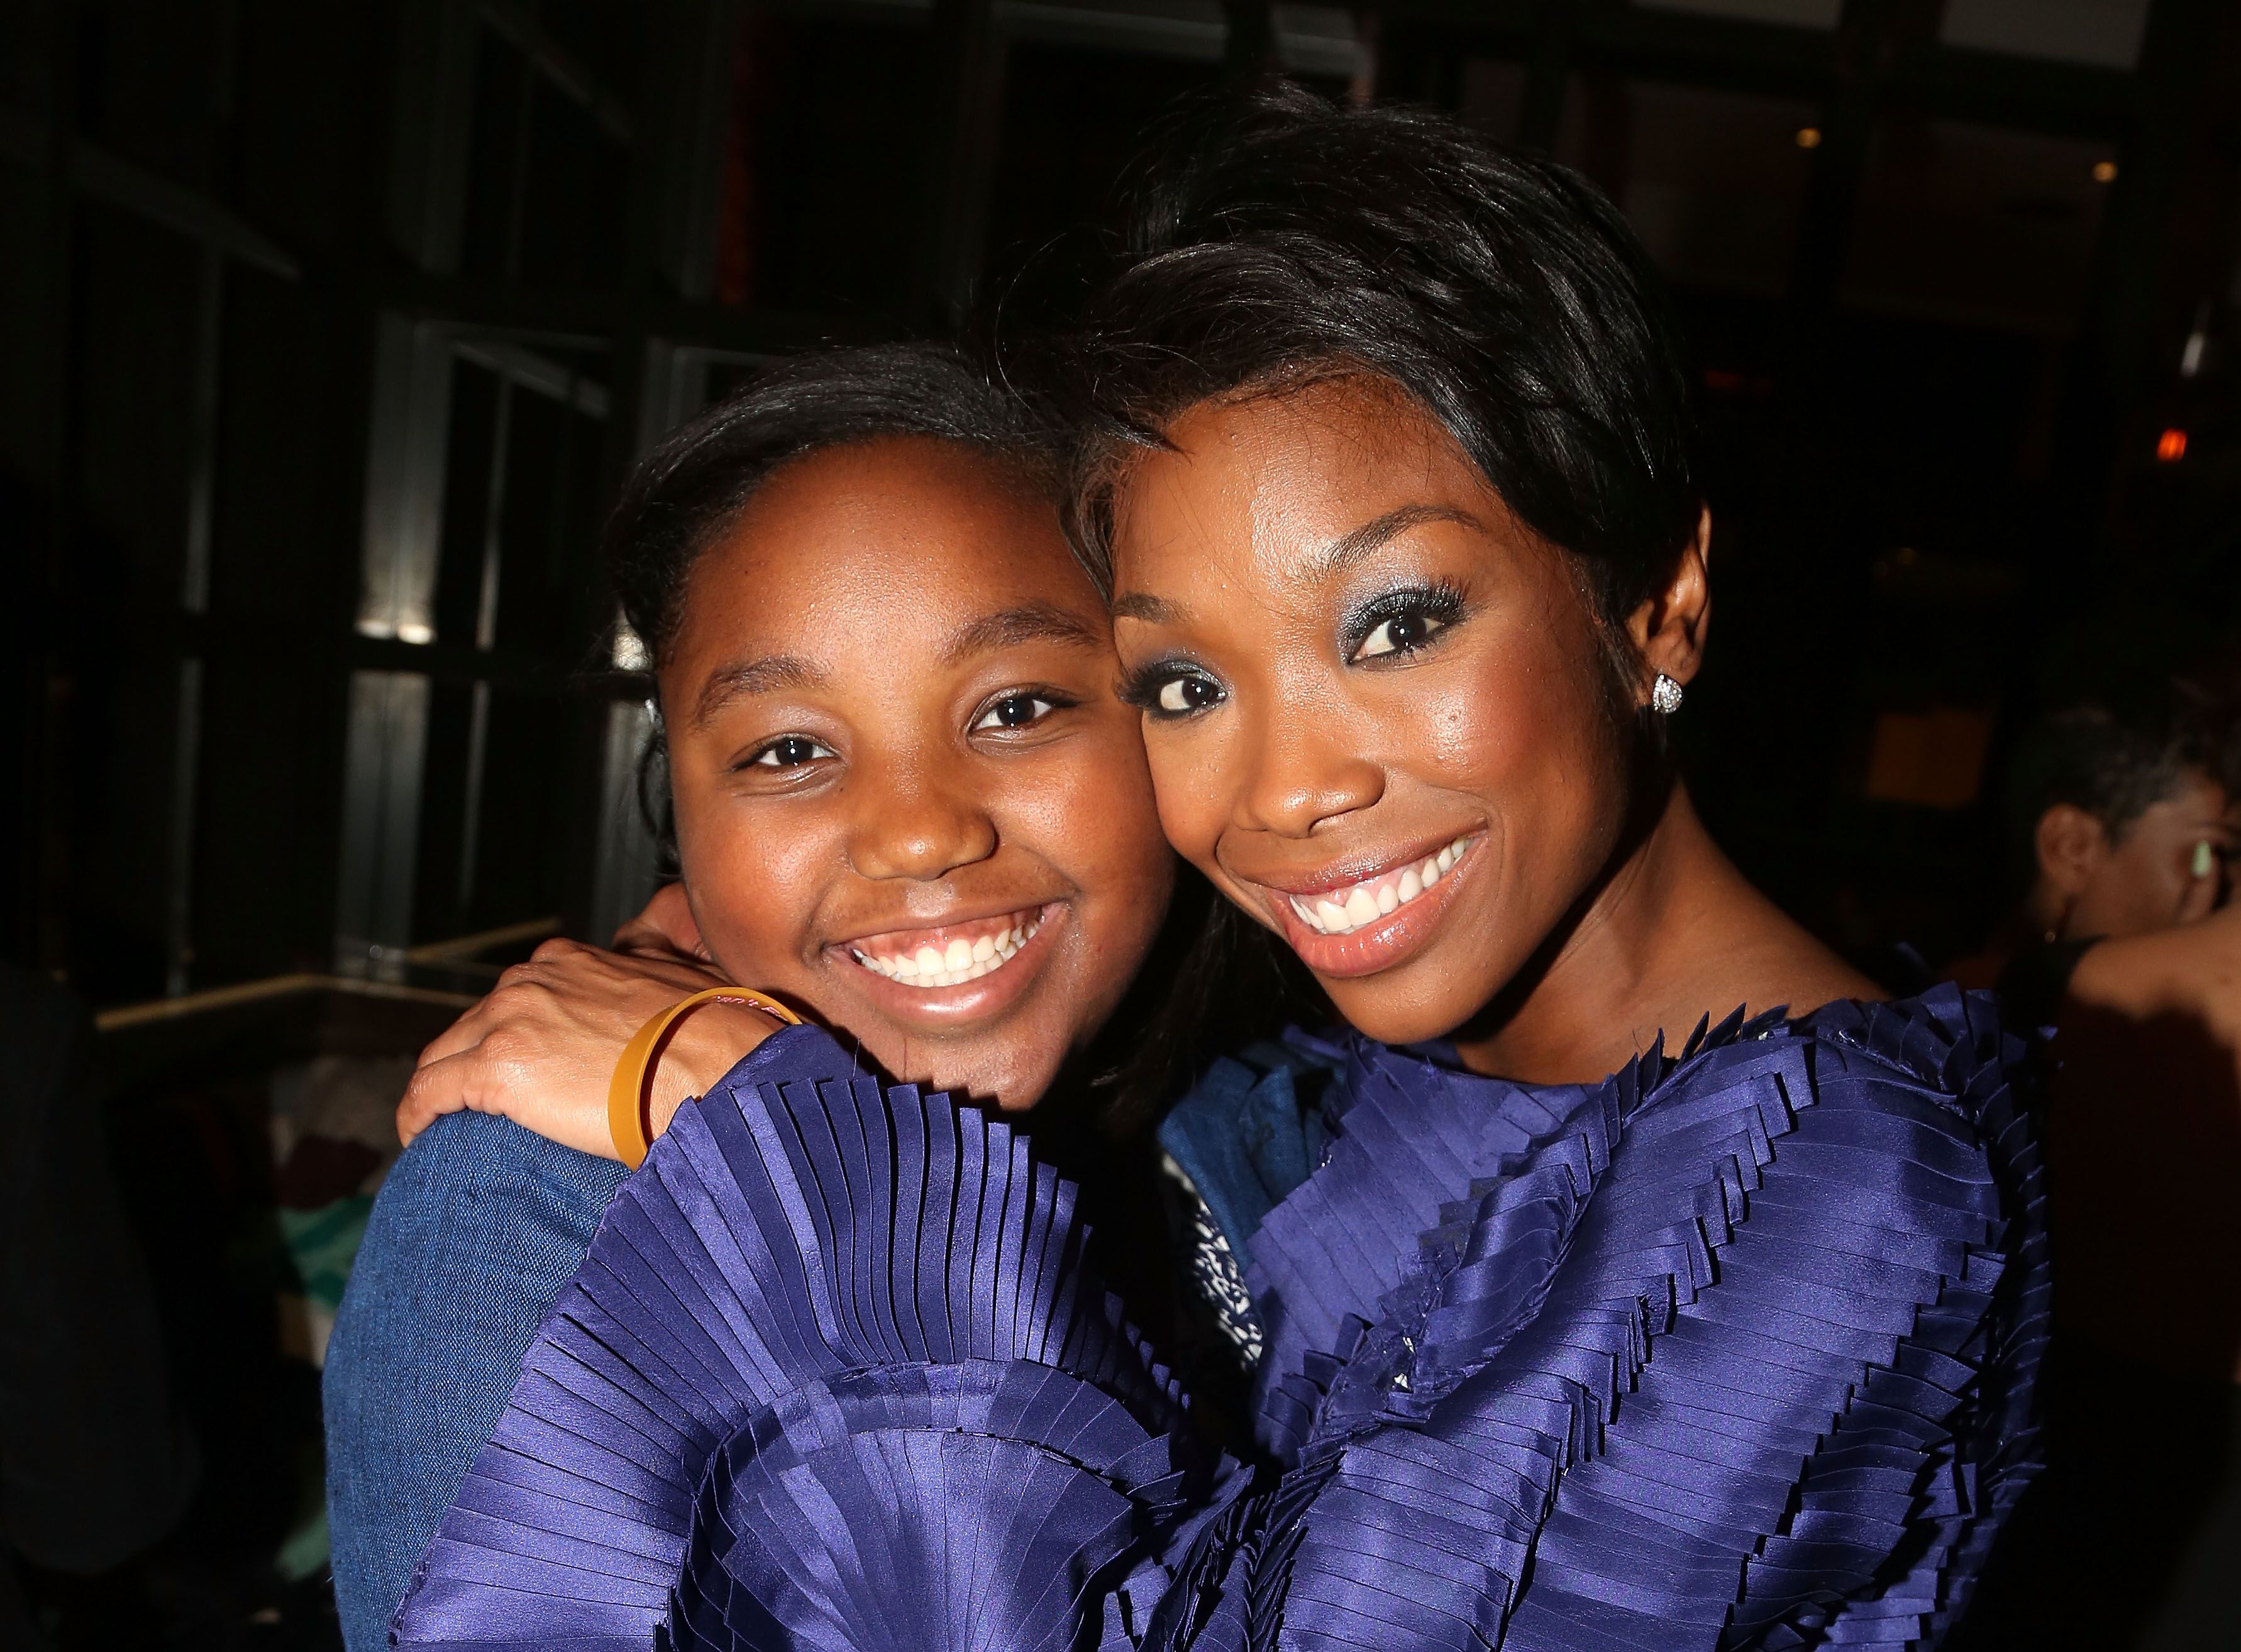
(1548, 73)
(194, 600)
(435, 112)
(1866, 44)
(386, 755)
(1251, 49)
(971, 52)
(2177, 49)
(40, 873)
(404, 480)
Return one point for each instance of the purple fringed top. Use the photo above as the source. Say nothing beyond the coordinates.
(1736, 1347)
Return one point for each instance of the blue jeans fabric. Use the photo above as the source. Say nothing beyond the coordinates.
(475, 1230)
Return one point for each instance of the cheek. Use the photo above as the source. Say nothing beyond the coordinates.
(1524, 728)
(1089, 811)
(754, 886)
(1187, 771)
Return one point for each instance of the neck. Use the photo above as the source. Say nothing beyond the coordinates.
(1665, 936)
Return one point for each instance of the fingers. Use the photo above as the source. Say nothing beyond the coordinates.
(462, 1035)
(666, 928)
(438, 1086)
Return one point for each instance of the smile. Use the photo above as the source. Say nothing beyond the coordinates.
(1341, 912)
(950, 955)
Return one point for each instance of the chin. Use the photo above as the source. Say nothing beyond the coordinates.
(1394, 1015)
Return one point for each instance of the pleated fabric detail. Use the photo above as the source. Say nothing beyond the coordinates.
(1738, 1348)
(832, 1375)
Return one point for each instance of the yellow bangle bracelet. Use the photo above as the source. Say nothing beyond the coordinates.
(626, 1098)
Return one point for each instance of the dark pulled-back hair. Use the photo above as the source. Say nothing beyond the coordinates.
(1278, 240)
(2115, 756)
(681, 496)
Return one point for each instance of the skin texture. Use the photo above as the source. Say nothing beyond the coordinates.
(2142, 879)
(890, 715)
(1262, 567)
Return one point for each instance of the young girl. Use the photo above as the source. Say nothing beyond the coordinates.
(1388, 471)
(906, 801)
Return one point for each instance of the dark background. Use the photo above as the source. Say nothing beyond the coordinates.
(327, 330)
(330, 329)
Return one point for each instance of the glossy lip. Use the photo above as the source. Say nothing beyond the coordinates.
(1378, 946)
(953, 1006)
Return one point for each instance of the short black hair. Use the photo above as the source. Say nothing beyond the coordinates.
(1279, 239)
(2115, 757)
(680, 497)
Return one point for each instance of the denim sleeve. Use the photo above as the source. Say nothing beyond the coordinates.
(475, 1233)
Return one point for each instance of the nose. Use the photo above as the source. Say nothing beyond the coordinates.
(916, 826)
(1301, 774)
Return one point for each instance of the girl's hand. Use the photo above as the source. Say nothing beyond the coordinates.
(541, 1049)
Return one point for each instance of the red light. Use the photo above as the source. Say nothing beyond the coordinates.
(2170, 446)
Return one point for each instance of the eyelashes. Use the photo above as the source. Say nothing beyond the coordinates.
(1385, 630)
(1168, 689)
(1402, 622)
(1015, 712)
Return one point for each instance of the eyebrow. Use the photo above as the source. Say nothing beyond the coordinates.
(1009, 627)
(747, 677)
(1334, 557)
(1350, 549)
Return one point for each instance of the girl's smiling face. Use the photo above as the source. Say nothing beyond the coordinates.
(907, 795)
(1380, 714)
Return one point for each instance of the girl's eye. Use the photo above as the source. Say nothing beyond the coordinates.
(1015, 711)
(1403, 633)
(790, 752)
(1179, 696)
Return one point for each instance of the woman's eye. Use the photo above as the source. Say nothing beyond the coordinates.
(1015, 711)
(790, 752)
(1181, 695)
(1401, 634)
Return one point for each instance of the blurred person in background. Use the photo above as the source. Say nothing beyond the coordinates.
(2120, 824)
(2121, 819)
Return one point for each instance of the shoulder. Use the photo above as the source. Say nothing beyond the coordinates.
(479, 1222)
(479, 1170)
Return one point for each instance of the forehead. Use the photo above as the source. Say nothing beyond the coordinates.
(901, 539)
(1304, 464)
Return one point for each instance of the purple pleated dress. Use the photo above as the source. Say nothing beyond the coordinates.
(1737, 1348)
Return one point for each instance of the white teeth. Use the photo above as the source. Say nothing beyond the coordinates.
(960, 962)
(1341, 914)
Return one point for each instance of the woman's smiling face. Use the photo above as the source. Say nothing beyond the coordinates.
(905, 793)
(1379, 713)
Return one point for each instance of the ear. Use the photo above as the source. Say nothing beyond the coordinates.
(2071, 846)
(1668, 629)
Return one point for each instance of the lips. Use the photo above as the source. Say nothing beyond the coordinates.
(1357, 905)
(947, 977)
(1343, 928)
(948, 955)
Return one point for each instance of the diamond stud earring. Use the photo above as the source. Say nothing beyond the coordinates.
(1665, 696)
